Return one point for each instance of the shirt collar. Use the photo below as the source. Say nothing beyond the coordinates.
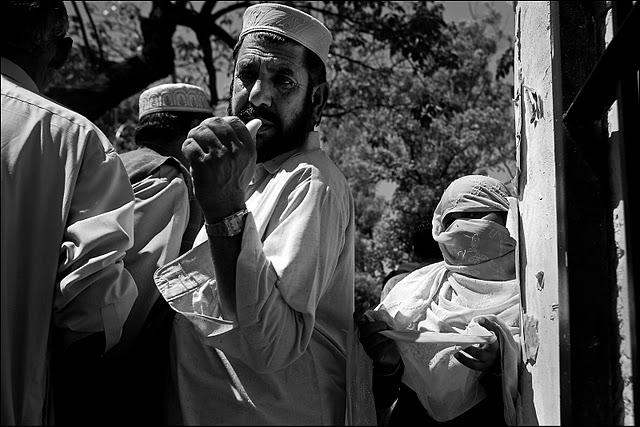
(17, 74)
(311, 143)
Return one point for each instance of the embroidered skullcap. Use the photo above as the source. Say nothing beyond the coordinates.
(175, 97)
(288, 22)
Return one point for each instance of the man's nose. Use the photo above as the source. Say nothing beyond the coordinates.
(260, 93)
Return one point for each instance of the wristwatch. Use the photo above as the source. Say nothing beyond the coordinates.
(228, 226)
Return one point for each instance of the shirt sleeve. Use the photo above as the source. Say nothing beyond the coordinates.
(161, 214)
(161, 217)
(278, 283)
(95, 293)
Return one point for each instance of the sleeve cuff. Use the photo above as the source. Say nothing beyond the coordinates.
(189, 287)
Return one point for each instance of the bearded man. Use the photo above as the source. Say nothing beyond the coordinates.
(265, 298)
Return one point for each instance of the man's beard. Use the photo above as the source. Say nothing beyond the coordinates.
(282, 140)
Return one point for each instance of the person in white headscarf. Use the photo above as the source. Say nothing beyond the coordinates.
(443, 338)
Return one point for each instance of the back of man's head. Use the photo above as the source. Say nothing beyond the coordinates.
(28, 27)
(167, 127)
(169, 111)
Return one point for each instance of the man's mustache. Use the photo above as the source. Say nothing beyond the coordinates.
(251, 112)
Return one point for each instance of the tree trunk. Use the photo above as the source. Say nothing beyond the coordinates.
(116, 81)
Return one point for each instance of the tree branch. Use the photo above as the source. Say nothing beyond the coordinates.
(218, 32)
(354, 61)
(87, 46)
(224, 10)
(95, 31)
(116, 81)
(203, 24)
(207, 7)
(205, 45)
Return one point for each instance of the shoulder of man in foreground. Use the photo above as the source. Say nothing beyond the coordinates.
(61, 116)
(98, 210)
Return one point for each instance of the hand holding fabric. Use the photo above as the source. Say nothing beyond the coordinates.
(484, 357)
(382, 350)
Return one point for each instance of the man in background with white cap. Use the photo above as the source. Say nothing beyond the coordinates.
(266, 295)
(167, 219)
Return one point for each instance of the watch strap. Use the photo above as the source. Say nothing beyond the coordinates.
(228, 226)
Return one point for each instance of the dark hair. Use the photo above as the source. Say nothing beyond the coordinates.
(30, 25)
(164, 126)
(312, 62)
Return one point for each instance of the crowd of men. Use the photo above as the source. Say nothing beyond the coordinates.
(207, 277)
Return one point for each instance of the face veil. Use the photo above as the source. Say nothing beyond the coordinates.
(475, 247)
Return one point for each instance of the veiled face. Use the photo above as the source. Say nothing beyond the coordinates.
(271, 83)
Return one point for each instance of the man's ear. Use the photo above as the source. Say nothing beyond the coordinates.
(319, 99)
(63, 49)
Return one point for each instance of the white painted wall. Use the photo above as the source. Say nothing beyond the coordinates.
(537, 125)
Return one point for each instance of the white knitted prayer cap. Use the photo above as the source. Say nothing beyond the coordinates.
(173, 97)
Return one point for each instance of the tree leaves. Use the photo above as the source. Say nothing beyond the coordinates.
(413, 102)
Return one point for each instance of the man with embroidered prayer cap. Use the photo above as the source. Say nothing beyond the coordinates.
(167, 219)
(471, 301)
(167, 215)
(264, 300)
(67, 221)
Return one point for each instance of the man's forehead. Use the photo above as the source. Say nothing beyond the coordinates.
(278, 54)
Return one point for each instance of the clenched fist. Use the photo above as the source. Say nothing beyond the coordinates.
(222, 156)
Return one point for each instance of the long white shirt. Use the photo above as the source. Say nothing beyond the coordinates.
(161, 217)
(282, 361)
(67, 220)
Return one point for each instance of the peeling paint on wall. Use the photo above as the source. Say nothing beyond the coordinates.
(535, 133)
(622, 278)
(535, 110)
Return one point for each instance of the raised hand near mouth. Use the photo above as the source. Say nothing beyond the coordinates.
(222, 155)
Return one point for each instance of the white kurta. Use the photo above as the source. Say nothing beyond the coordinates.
(161, 217)
(285, 352)
(67, 220)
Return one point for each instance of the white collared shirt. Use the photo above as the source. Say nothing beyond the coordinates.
(67, 220)
(294, 294)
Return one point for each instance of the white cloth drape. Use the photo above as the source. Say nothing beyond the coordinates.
(434, 311)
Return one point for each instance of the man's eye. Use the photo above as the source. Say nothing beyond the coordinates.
(285, 82)
(244, 75)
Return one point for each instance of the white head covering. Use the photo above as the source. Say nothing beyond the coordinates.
(291, 23)
(176, 97)
(435, 310)
(471, 193)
